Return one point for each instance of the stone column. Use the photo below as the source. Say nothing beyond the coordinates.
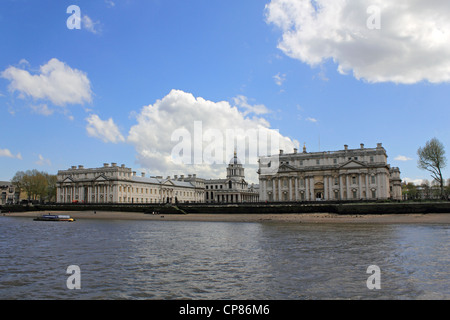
(325, 188)
(296, 189)
(307, 188)
(347, 180)
(279, 190)
(290, 188)
(367, 186)
(360, 186)
(341, 188)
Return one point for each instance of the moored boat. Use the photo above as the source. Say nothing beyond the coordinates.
(51, 217)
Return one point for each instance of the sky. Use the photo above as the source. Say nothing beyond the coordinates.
(136, 81)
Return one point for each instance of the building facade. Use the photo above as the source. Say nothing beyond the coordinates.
(9, 194)
(233, 189)
(349, 174)
(119, 184)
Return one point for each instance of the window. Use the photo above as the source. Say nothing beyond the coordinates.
(353, 180)
(317, 161)
(301, 162)
(354, 194)
(335, 161)
(372, 179)
(336, 181)
(371, 159)
(374, 194)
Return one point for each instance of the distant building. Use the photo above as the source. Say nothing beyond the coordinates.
(233, 189)
(119, 184)
(349, 174)
(9, 194)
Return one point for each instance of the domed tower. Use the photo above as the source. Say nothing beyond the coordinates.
(235, 170)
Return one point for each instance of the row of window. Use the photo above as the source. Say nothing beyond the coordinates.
(335, 161)
(336, 181)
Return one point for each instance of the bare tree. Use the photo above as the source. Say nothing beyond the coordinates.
(432, 158)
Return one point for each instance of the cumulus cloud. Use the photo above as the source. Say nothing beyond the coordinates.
(42, 109)
(402, 158)
(105, 130)
(279, 78)
(8, 154)
(90, 25)
(43, 161)
(257, 109)
(207, 127)
(410, 44)
(56, 82)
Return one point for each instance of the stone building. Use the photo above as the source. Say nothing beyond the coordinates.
(233, 189)
(349, 174)
(119, 184)
(9, 194)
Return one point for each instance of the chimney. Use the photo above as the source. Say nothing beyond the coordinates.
(194, 175)
(134, 173)
(114, 164)
(143, 174)
(345, 146)
(379, 145)
(122, 166)
(362, 145)
(281, 151)
(80, 167)
(175, 177)
(74, 167)
(106, 165)
(295, 150)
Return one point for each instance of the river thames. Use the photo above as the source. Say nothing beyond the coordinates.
(120, 259)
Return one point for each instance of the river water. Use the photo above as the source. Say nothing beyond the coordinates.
(222, 260)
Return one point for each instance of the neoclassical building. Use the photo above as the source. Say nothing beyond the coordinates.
(119, 184)
(233, 189)
(349, 174)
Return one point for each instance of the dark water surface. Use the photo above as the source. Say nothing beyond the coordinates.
(222, 260)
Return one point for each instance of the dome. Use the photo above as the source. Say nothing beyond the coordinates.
(235, 159)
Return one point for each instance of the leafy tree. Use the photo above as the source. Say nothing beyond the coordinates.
(36, 184)
(432, 158)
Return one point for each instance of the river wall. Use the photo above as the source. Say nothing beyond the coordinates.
(250, 208)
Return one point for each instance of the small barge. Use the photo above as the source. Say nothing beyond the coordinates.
(49, 217)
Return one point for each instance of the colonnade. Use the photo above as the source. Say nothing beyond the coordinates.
(310, 187)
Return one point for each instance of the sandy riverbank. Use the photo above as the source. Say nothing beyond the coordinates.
(295, 218)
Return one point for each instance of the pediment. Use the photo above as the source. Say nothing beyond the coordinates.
(168, 182)
(68, 180)
(101, 178)
(285, 168)
(352, 164)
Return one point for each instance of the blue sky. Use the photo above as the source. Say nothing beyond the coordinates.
(129, 54)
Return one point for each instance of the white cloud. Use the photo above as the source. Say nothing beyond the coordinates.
(411, 45)
(89, 25)
(42, 109)
(105, 130)
(402, 158)
(179, 112)
(8, 154)
(279, 78)
(417, 182)
(110, 3)
(42, 161)
(56, 82)
(313, 120)
(242, 102)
